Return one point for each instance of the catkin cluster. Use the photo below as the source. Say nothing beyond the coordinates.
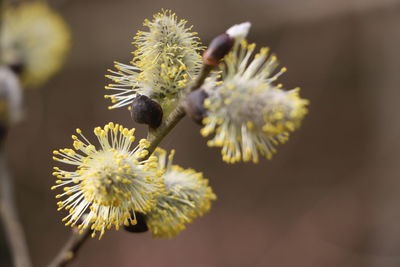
(112, 183)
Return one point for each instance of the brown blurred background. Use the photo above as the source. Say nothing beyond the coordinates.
(329, 198)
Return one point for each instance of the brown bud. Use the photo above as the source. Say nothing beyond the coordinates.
(140, 226)
(146, 111)
(194, 105)
(17, 67)
(218, 48)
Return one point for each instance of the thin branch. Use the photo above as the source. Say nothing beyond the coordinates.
(205, 71)
(13, 227)
(8, 210)
(156, 136)
(69, 252)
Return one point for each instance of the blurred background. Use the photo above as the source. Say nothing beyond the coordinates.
(329, 198)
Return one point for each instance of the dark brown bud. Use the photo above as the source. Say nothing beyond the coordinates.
(218, 48)
(17, 67)
(146, 111)
(194, 105)
(140, 226)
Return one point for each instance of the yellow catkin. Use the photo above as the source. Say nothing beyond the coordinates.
(166, 59)
(185, 197)
(109, 183)
(36, 38)
(247, 113)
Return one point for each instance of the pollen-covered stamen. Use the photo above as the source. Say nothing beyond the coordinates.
(109, 183)
(167, 54)
(166, 59)
(185, 197)
(247, 113)
(125, 86)
(141, 225)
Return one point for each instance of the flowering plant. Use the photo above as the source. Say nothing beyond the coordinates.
(229, 91)
(227, 88)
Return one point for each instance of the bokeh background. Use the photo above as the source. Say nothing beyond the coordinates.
(329, 198)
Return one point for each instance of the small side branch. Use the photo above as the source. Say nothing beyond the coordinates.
(205, 71)
(156, 136)
(69, 252)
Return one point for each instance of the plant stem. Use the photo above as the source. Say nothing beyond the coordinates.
(205, 71)
(12, 225)
(69, 252)
(156, 136)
